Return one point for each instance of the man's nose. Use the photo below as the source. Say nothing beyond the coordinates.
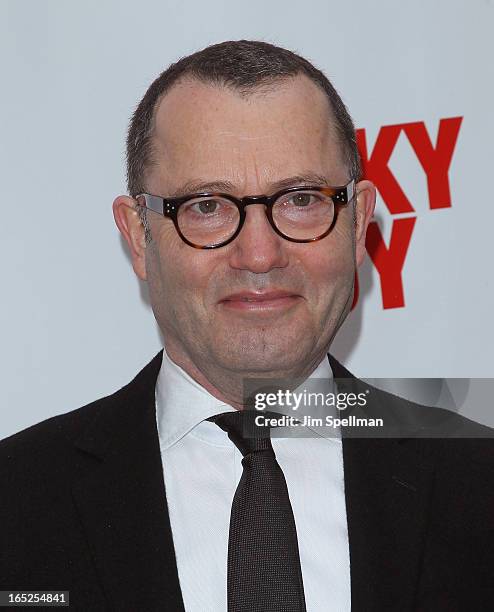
(258, 247)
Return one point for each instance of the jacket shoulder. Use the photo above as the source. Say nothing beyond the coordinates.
(453, 438)
(53, 436)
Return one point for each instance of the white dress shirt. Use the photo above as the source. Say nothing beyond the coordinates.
(202, 468)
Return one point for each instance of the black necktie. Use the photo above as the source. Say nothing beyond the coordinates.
(264, 573)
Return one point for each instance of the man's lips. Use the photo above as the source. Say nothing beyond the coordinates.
(260, 300)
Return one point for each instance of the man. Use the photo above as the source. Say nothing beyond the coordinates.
(154, 498)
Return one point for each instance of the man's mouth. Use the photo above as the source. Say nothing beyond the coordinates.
(260, 300)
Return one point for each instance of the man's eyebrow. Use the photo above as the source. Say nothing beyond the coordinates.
(200, 186)
(307, 178)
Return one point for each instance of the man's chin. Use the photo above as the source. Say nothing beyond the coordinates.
(265, 361)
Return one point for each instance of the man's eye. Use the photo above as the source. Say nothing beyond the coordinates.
(301, 199)
(206, 206)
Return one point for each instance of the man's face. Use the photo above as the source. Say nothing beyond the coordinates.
(205, 135)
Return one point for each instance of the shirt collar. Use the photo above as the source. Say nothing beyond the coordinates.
(182, 404)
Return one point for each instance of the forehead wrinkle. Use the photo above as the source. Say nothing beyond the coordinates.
(243, 137)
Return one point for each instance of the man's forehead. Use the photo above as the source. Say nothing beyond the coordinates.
(193, 102)
(211, 131)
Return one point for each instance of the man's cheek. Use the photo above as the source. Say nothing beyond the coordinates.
(332, 266)
(334, 280)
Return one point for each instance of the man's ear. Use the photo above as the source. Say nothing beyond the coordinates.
(364, 209)
(131, 228)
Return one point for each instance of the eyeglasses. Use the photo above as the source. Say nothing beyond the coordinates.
(212, 220)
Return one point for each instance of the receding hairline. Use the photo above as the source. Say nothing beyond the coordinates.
(264, 88)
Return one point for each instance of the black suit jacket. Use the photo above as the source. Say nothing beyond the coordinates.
(83, 508)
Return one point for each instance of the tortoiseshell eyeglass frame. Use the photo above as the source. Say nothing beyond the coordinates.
(168, 207)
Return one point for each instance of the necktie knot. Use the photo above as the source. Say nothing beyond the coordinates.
(243, 430)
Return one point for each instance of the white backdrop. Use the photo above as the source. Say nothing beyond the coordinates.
(75, 323)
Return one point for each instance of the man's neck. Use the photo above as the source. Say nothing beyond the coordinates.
(229, 387)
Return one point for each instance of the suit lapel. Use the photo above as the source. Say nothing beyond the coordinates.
(120, 497)
(388, 483)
